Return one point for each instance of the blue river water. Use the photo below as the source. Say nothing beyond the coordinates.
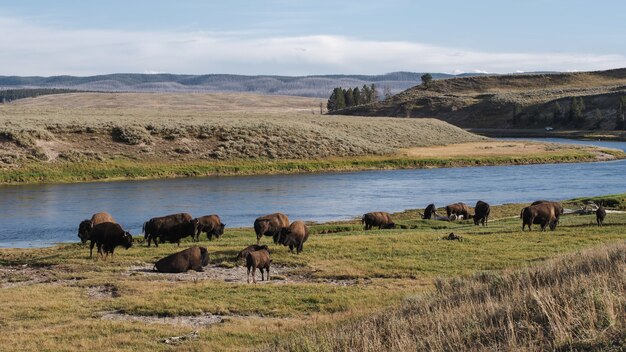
(41, 215)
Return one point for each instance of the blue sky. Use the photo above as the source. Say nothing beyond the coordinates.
(309, 37)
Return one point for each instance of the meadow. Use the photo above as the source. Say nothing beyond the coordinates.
(104, 136)
(349, 290)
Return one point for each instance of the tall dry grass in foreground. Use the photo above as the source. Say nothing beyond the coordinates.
(575, 302)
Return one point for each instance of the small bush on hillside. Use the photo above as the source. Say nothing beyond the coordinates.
(131, 135)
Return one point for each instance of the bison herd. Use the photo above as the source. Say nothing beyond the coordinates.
(103, 232)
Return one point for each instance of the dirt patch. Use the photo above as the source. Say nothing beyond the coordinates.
(195, 321)
(487, 148)
(14, 276)
(102, 292)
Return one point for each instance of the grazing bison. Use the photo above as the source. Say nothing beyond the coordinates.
(542, 214)
(379, 218)
(170, 228)
(193, 258)
(600, 215)
(212, 225)
(87, 225)
(258, 260)
(294, 236)
(558, 208)
(255, 247)
(107, 236)
(481, 213)
(270, 225)
(458, 209)
(429, 212)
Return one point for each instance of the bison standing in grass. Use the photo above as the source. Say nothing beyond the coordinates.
(380, 219)
(558, 208)
(429, 212)
(193, 258)
(481, 213)
(258, 260)
(458, 209)
(542, 214)
(294, 236)
(170, 228)
(600, 215)
(211, 224)
(107, 236)
(252, 248)
(85, 227)
(270, 225)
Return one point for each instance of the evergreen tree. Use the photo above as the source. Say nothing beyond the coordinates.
(577, 111)
(349, 97)
(557, 113)
(517, 114)
(427, 79)
(620, 123)
(356, 94)
(387, 92)
(336, 100)
(374, 94)
(366, 95)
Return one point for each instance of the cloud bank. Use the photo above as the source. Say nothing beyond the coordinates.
(29, 49)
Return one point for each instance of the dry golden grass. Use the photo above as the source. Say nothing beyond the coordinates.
(489, 149)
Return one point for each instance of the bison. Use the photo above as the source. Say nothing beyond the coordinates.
(481, 213)
(85, 227)
(171, 228)
(107, 236)
(270, 225)
(380, 219)
(212, 225)
(294, 236)
(255, 247)
(193, 258)
(258, 260)
(542, 214)
(429, 212)
(458, 209)
(600, 215)
(558, 208)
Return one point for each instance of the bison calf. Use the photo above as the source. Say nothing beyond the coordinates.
(258, 260)
(294, 236)
(380, 219)
(255, 247)
(193, 258)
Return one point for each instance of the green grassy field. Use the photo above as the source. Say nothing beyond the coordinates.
(57, 298)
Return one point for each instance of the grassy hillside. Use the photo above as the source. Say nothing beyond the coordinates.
(491, 101)
(92, 136)
(56, 297)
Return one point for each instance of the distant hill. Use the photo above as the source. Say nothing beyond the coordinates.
(511, 101)
(307, 86)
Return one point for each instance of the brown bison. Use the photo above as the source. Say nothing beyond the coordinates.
(542, 214)
(255, 247)
(171, 228)
(558, 208)
(458, 209)
(481, 213)
(429, 212)
(294, 236)
(212, 225)
(107, 236)
(258, 260)
(380, 219)
(85, 227)
(270, 225)
(193, 258)
(600, 215)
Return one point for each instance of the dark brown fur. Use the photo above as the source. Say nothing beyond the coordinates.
(212, 225)
(294, 236)
(193, 258)
(258, 260)
(252, 248)
(270, 225)
(558, 208)
(429, 212)
(380, 219)
(107, 236)
(458, 209)
(87, 225)
(600, 215)
(171, 228)
(481, 213)
(542, 214)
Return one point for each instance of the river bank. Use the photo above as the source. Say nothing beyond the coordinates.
(595, 135)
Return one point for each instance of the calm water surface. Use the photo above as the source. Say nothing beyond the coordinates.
(40, 215)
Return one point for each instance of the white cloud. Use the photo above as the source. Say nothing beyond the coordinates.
(36, 50)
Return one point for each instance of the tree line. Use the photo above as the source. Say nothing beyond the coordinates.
(344, 98)
(9, 95)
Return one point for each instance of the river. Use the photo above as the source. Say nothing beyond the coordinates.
(41, 215)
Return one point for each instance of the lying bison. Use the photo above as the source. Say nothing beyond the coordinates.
(542, 214)
(107, 236)
(193, 258)
(600, 215)
(255, 247)
(429, 212)
(259, 259)
(481, 213)
(270, 225)
(212, 225)
(85, 227)
(458, 209)
(170, 228)
(294, 236)
(380, 219)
